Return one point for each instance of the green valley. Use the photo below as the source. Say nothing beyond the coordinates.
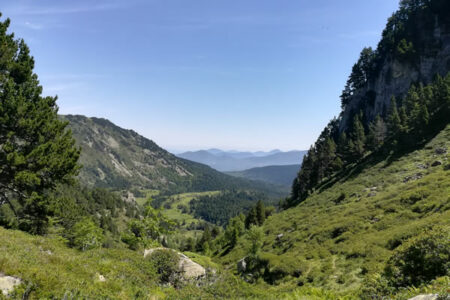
(90, 210)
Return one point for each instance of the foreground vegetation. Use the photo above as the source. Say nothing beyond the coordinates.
(346, 231)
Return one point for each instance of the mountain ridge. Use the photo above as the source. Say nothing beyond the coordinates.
(120, 158)
(283, 175)
(230, 161)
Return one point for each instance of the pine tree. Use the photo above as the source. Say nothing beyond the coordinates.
(260, 212)
(343, 147)
(251, 218)
(358, 138)
(395, 124)
(377, 133)
(36, 150)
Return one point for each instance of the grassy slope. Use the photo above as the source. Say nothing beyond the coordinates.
(69, 273)
(176, 214)
(333, 244)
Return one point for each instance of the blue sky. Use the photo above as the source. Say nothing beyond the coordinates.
(193, 74)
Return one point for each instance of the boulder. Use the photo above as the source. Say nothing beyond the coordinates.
(8, 283)
(425, 297)
(422, 166)
(242, 265)
(440, 151)
(436, 163)
(188, 268)
(412, 177)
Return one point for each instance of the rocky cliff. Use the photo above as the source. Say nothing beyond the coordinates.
(425, 27)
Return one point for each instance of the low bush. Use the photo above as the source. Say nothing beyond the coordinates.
(166, 264)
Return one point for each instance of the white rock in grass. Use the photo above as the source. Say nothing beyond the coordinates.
(188, 268)
(425, 297)
(8, 283)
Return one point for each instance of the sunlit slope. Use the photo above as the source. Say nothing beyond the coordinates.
(349, 228)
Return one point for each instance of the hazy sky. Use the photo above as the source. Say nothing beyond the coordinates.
(192, 74)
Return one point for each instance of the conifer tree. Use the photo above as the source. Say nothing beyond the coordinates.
(358, 137)
(377, 133)
(260, 212)
(395, 124)
(252, 218)
(36, 150)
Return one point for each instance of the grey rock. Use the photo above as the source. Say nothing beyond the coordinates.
(242, 265)
(395, 77)
(188, 268)
(436, 163)
(440, 151)
(422, 166)
(412, 177)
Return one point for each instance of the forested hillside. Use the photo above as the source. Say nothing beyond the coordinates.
(282, 175)
(396, 97)
(118, 158)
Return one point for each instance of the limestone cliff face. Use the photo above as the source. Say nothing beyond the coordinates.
(395, 75)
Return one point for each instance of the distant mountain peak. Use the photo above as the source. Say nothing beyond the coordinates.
(233, 160)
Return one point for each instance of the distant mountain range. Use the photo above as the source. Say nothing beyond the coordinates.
(229, 161)
(119, 158)
(281, 175)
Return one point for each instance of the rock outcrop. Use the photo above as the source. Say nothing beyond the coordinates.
(395, 76)
(188, 268)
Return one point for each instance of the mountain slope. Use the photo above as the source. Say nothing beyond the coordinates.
(282, 175)
(239, 161)
(346, 229)
(120, 158)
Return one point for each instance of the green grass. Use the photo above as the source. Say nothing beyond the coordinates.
(51, 270)
(334, 241)
(183, 199)
(148, 194)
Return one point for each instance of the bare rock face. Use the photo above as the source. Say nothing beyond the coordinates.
(188, 268)
(8, 283)
(395, 77)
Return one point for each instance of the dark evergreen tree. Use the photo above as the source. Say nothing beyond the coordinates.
(36, 149)
(377, 133)
(260, 212)
(252, 218)
(358, 138)
(394, 121)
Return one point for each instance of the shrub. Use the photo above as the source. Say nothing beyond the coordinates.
(166, 264)
(86, 235)
(420, 259)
